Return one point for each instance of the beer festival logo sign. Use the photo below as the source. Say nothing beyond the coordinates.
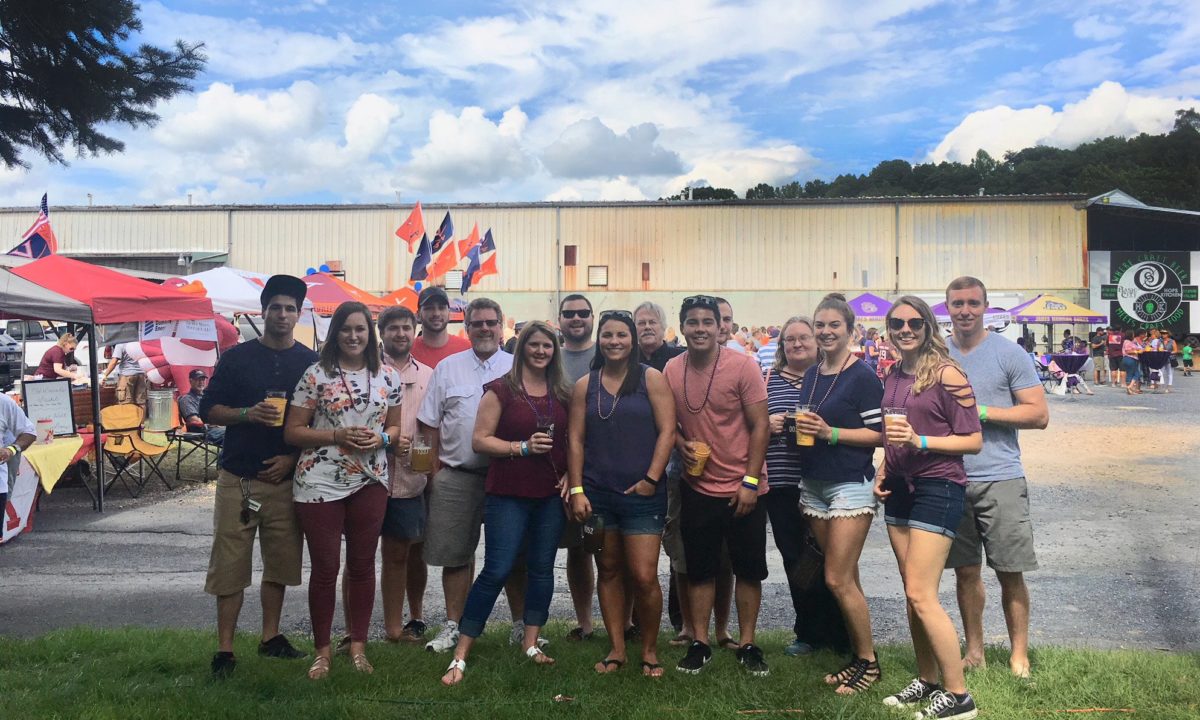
(1150, 290)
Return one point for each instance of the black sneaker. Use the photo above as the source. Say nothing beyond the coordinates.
(223, 664)
(916, 691)
(697, 657)
(279, 647)
(751, 658)
(945, 706)
(414, 631)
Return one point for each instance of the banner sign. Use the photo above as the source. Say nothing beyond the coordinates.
(181, 329)
(1150, 290)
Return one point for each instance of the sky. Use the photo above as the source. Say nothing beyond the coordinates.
(375, 101)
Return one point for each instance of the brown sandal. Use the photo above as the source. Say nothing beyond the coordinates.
(856, 677)
(319, 669)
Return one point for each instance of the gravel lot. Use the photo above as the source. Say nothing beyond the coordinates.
(1112, 487)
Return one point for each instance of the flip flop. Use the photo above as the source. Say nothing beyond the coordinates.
(608, 663)
(728, 644)
(680, 640)
(577, 634)
(651, 670)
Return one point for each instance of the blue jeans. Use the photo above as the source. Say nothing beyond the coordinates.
(515, 525)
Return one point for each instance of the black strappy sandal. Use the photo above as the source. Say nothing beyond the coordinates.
(610, 663)
(857, 677)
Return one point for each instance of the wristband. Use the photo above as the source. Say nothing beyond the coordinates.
(833, 436)
(924, 442)
(387, 439)
(748, 486)
(524, 448)
(575, 490)
(13, 449)
(983, 413)
(749, 480)
(650, 480)
(242, 414)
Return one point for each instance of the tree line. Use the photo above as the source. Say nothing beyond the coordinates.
(1162, 170)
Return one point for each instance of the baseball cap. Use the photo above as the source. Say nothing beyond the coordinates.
(197, 374)
(433, 293)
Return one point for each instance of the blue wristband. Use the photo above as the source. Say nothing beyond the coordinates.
(748, 486)
(924, 442)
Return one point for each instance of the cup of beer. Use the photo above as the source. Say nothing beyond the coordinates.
(420, 455)
(891, 415)
(702, 451)
(804, 439)
(278, 400)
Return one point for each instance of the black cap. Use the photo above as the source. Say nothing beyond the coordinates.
(433, 292)
(198, 374)
(289, 285)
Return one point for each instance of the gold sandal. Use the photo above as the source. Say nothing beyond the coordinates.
(362, 664)
(319, 669)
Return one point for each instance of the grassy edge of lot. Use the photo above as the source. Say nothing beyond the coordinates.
(142, 673)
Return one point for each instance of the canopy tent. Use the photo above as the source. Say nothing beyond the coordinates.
(869, 307)
(327, 292)
(20, 298)
(1051, 310)
(114, 297)
(405, 297)
(992, 317)
(231, 291)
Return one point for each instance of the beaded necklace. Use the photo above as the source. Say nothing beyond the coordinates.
(687, 371)
(896, 388)
(813, 390)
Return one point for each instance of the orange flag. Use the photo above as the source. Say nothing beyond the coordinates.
(465, 245)
(411, 230)
(445, 261)
(487, 267)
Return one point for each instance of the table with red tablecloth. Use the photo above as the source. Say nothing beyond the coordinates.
(40, 468)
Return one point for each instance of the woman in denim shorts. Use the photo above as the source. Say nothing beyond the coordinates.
(931, 422)
(843, 395)
(621, 432)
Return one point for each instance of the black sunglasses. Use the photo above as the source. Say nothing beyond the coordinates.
(479, 324)
(568, 314)
(915, 324)
(699, 301)
(607, 314)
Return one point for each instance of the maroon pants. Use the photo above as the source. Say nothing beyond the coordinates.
(359, 517)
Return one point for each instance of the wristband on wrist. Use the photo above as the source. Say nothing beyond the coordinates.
(512, 453)
(387, 439)
(748, 486)
(524, 448)
(833, 436)
(750, 481)
(983, 413)
(924, 442)
(650, 480)
(242, 414)
(576, 490)
(13, 449)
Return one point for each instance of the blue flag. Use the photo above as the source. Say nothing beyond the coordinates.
(421, 261)
(488, 244)
(472, 269)
(444, 234)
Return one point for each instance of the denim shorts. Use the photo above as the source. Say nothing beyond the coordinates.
(825, 500)
(933, 504)
(405, 518)
(629, 514)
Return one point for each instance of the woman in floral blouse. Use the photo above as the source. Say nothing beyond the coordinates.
(345, 413)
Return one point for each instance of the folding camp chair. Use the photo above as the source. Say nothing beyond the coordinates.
(131, 450)
(1047, 378)
(196, 441)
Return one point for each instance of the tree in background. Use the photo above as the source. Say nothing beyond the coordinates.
(66, 69)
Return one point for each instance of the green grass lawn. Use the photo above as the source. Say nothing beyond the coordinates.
(135, 673)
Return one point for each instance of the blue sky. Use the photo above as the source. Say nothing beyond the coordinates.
(344, 102)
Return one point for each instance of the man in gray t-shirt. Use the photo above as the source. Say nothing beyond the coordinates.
(996, 510)
(575, 322)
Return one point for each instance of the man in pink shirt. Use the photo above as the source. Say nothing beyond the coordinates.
(721, 402)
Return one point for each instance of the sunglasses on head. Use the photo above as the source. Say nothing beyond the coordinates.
(568, 314)
(699, 301)
(607, 314)
(480, 324)
(915, 324)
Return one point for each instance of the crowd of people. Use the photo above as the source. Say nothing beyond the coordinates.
(600, 437)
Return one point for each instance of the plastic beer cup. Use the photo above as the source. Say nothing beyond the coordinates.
(278, 400)
(891, 415)
(702, 451)
(803, 439)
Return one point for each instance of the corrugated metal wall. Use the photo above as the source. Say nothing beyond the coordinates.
(790, 251)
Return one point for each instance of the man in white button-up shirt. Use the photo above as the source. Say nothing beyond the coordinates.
(456, 494)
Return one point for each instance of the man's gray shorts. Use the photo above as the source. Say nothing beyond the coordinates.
(996, 521)
(455, 517)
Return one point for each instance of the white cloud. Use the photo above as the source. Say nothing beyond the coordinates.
(1108, 110)
(468, 150)
(1086, 69)
(243, 48)
(1094, 27)
(589, 148)
(743, 168)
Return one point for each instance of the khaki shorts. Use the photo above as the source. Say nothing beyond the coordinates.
(995, 520)
(455, 518)
(131, 389)
(231, 563)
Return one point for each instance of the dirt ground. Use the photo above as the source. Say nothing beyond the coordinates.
(1112, 487)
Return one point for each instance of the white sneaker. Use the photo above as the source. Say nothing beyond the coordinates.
(517, 636)
(445, 640)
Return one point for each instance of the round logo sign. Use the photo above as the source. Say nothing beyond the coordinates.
(1150, 291)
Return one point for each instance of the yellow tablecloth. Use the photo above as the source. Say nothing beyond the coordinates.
(52, 459)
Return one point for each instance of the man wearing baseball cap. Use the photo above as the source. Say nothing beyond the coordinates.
(434, 342)
(189, 408)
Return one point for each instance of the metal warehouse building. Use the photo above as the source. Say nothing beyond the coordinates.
(771, 259)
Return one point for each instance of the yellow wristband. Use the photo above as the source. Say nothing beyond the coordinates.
(750, 480)
(577, 490)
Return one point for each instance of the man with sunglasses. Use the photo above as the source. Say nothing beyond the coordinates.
(995, 519)
(721, 402)
(576, 322)
(456, 497)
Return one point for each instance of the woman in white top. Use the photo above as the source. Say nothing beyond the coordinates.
(345, 413)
